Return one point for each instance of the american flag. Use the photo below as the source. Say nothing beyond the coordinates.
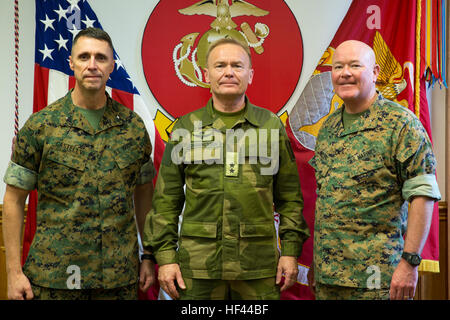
(57, 23)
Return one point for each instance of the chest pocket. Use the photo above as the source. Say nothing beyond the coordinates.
(129, 164)
(203, 165)
(62, 168)
(366, 170)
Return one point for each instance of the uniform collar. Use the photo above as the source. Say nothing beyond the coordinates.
(368, 119)
(73, 118)
(211, 118)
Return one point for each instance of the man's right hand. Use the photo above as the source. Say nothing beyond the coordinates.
(19, 287)
(167, 275)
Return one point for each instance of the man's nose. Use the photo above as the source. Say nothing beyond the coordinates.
(92, 63)
(346, 71)
(228, 71)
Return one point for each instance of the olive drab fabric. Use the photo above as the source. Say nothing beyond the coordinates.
(364, 175)
(85, 180)
(227, 229)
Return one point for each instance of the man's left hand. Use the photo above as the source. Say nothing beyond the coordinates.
(404, 281)
(146, 275)
(287, 266)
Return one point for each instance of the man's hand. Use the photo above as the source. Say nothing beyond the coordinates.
(19, 287)
(167, 275)
(146, 275)
(404, 281)
(287, 266)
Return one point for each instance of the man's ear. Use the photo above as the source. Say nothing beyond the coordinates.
(206, 75)
(250, 78)
(70, 63)
(376, 72)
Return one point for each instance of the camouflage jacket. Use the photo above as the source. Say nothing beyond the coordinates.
(364, 175)
(227, 229)
(85, 182)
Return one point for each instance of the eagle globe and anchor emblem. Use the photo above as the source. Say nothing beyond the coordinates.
(188, 60)
(179, 33)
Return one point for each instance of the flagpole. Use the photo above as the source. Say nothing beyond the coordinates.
(16, 57)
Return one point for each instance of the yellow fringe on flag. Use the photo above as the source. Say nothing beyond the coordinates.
(429, 266)
(417, 78)
(425, 265)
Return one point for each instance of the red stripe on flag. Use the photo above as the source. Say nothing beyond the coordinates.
(40, 88)
(40, 98)
(72, 82)
(125, 98)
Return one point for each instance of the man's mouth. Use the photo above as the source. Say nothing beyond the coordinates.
(92, 76)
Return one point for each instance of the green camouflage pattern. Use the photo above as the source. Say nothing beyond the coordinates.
(216, 289)
(227, 229)
(361, 215)
(129, 292)
(17, 175)
(328, 292)
(85, 182)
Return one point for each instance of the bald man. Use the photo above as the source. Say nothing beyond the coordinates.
(372, 158)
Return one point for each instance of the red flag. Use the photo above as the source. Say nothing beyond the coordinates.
(389, 27)
(53, 78)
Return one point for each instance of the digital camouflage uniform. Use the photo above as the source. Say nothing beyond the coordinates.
(364, 175)
(227, 229)
(85, 181)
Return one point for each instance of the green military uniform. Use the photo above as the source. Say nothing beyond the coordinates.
(364, 174)
(228, 228)
(85, 180)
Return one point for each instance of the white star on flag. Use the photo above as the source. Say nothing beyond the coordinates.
(118, 63)
(48, 23)
(61, 13)
(74, 31)
(74, 4)
(61, 43)
(88, 22)
(46, 52)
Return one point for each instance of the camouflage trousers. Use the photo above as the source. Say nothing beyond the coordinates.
(129, 292)
(330, 292)
(213, 289)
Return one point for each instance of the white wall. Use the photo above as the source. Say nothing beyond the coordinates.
(125, 22)
(437, 102)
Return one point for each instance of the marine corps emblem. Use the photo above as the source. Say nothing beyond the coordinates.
(179, 33)
(318, 99)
